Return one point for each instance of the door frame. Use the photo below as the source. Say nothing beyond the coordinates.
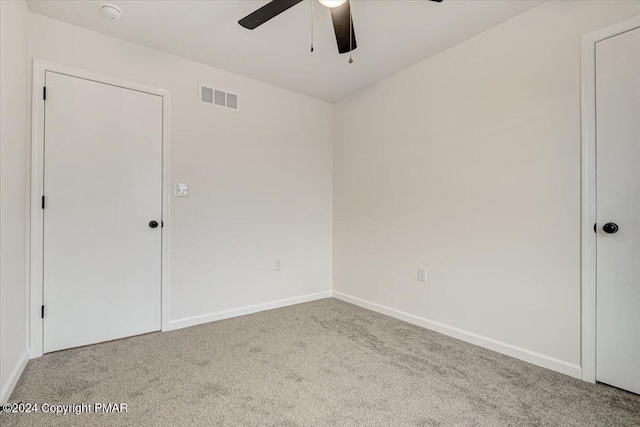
(588, 163)
(36, 283)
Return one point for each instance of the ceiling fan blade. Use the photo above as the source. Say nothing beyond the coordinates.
(343, 27)
(266, 12)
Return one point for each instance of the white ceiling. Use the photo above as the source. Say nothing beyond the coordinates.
(392, 35)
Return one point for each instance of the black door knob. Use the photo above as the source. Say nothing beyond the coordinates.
(610, 228)
(153, 224)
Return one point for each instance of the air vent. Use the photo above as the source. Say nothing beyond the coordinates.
(219, 98)
(232, 101)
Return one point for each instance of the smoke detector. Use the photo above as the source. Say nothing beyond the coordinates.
(111, 11)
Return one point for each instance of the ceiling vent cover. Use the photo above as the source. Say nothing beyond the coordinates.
(218, 97)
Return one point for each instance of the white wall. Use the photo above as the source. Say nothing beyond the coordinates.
(13, 195)
(260, 180)
(469, 164)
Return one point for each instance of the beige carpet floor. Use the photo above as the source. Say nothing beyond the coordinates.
(325, 363)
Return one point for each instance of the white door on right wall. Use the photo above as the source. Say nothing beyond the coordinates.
(618, 211)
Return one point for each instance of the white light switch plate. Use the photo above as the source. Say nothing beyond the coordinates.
(180, 190)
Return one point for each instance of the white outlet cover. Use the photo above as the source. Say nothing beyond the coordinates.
(278, 264)
(180, 190)
(422, 274)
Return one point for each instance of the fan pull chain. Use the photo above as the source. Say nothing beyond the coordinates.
(312, 1)
(350, 37)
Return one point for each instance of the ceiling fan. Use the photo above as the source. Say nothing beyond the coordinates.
(340, 15)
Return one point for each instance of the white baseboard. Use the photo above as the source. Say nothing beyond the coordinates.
(491, 344)
(14, 376)
(241, 311)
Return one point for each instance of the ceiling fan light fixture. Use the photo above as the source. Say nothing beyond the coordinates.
(332, 3)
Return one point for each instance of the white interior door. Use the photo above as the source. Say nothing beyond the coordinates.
(618, 212)
(102, 183)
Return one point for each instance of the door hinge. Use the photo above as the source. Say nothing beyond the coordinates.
(44, 93)
(595, 230)
(42, 202)
(42, 312)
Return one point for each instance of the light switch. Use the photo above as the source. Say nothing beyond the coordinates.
(180, 190)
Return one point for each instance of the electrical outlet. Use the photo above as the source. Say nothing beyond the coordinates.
(278, 264)
(422, 274)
